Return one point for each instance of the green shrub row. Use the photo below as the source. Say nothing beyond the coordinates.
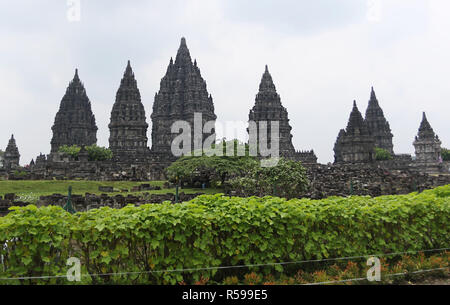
(215, 230)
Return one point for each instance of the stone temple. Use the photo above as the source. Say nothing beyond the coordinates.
(268, 108)
(11, 157)
(128, 126)
(354, 144)
(428, 147)
(378, 125)
(182, 93)
(74, 122)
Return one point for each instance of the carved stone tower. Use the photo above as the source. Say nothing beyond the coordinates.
(128, 126)
(355, 143)
(182, 93)
(427, 145)
(74, 122)
(268, 108)
(11, 156)
(378, 125)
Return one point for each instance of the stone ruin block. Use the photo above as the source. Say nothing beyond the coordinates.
(10, 196)
(107, 189)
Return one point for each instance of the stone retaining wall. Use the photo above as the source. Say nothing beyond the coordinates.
(91, 201)
(373, 180)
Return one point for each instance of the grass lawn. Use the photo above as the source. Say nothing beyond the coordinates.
(30, 191)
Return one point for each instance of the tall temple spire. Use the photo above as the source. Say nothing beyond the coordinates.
(74, 122)
(268, 108)
(378, 125)
(427, 147)
(356, 122)
(355, 143)
(183, 93)
(128, 126)
(12, 155)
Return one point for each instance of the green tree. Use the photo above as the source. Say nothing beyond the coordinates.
(212, 168)
(209, 170)
(287, 179)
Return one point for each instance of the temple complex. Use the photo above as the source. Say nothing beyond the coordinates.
(74, 122)
(11, 156)
(182, 93)
(268, 109)
(128, 126)
(355, 143)
(378, 125)
(183, 96)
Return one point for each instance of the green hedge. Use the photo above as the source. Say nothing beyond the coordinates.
(215, 230)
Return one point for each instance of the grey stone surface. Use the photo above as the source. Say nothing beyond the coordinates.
(268, 108)
(355, 144)
(11, 156)
(378, 125)
(182, 93)
(74, 122)
(128, 126)
(428, 149)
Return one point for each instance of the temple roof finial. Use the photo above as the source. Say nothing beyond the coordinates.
(425, 129)
(183, 57)
(372, 94)
(76, 77)
(128, 70)
(267, 82)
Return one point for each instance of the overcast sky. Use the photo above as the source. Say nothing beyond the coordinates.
(322, 55)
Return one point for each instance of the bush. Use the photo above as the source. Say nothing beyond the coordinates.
(72, 151)
(215, 230)
(382, 154)
(97, 153)
(286, 179)
(445, 154)
(211, 170)
(18, 173)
